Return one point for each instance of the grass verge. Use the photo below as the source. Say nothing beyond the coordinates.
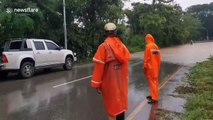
(200, 105)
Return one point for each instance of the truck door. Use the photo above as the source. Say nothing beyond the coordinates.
(40, 53)
(55, 53)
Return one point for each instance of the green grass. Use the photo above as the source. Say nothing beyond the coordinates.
(135, 49)
(200, 105)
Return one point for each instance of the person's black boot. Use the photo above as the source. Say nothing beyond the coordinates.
(120, 116)
(152, 101)
(149, 97)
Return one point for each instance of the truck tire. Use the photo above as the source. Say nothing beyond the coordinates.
(68, 63)
(27, 70)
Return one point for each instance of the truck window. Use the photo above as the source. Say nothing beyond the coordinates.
(39, 45)
(15, 45)
(51, 46)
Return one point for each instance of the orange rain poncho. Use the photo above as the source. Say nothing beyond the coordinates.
(111, 75)
(152, 61)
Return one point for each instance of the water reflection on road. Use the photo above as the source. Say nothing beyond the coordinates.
(35, 98)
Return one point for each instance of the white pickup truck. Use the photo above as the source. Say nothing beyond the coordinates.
(27, 55)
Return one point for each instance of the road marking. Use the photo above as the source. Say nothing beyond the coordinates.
(141, 105)
(137, 110)
(133, 114)
(80, 79)
(77, 80)
(169, 78)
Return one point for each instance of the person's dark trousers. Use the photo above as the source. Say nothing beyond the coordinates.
(120, 116)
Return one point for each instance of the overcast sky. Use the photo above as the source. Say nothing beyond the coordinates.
(183, 3)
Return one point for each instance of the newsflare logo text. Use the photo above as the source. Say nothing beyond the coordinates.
(22, 10)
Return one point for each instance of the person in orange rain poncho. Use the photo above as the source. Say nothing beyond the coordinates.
(152, 61)
(110, 76)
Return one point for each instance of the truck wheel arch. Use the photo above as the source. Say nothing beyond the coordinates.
(27, 60)
(69, 55)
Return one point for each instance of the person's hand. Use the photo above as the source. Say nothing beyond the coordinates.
(98, 90)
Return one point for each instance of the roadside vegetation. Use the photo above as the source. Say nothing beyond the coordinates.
(200, 105)
(85, 20)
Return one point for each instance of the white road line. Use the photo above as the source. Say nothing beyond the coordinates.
(136, 111)
(80, 79)
(133, 114)
(77, 80)
(141, 105)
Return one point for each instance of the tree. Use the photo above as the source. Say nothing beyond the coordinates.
(192, 28)
(205, 14)
(91, 15)
(161, 1)
(86, 18)
(14, 25)
(167, 23)
(85, 21)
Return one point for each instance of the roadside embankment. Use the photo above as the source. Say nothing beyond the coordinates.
(200, 104)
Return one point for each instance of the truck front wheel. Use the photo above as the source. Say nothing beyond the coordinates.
(27, 70)
(68, 63)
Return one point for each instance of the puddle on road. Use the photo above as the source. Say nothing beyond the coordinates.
(35, 96)
(138, 86)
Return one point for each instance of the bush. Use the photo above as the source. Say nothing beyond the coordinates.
(137, 43)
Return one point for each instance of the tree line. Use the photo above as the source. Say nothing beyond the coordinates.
(85, 20)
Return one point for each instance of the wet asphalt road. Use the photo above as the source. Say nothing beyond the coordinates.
(46, 97)
(187, 55)
(66, 95)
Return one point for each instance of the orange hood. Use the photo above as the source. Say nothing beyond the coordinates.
(149, 38)
(119, 49)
